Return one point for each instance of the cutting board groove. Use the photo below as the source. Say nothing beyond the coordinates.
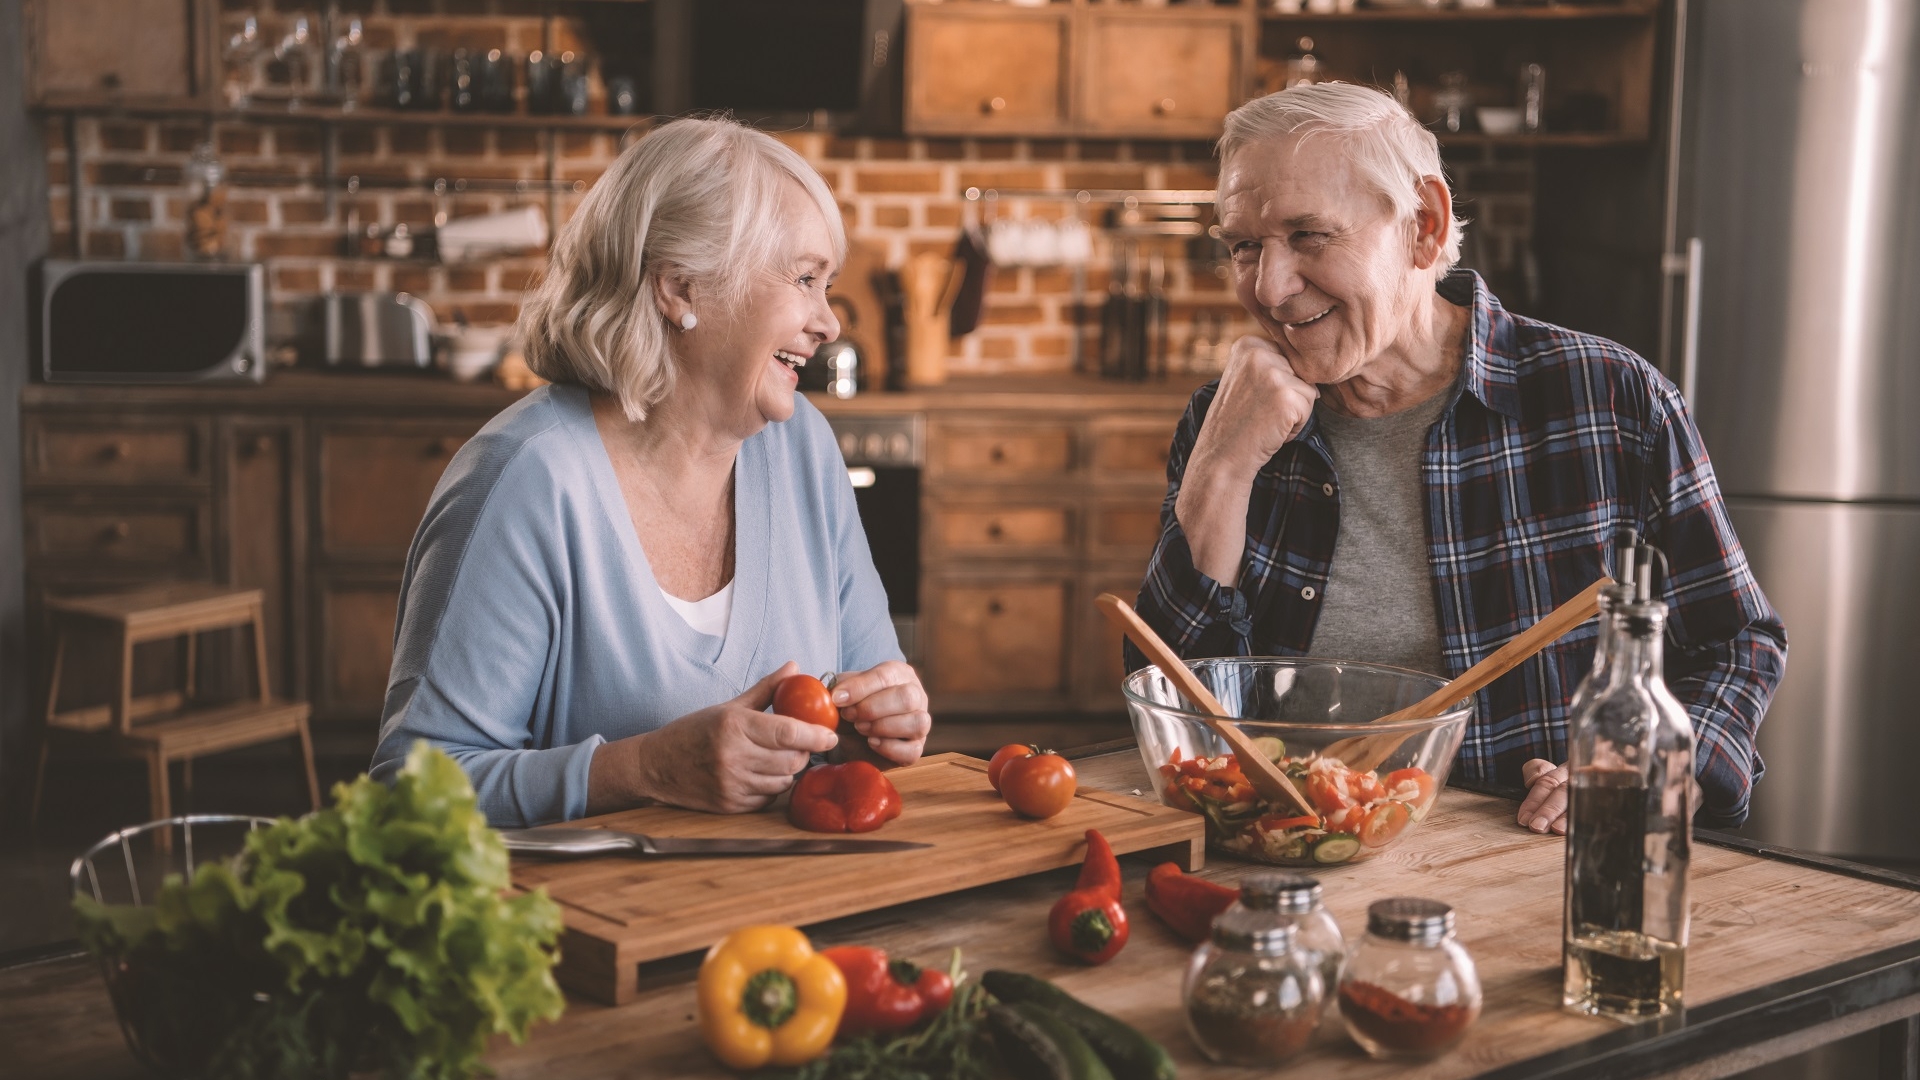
(623, 911)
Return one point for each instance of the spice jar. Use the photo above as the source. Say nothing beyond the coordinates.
(1253, 993)
(1409, 988)
(1296, 897)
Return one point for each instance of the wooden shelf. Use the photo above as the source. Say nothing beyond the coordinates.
(1506, 13)
(366, 116)
(1545, 138)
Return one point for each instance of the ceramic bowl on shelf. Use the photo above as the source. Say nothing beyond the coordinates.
(1294, 708)
(1498, 119)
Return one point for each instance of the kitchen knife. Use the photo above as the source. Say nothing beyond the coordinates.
(576, 842)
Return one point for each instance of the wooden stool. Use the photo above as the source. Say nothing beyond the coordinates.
(166, 727)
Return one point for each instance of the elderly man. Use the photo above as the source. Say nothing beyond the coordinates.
(1402, 471)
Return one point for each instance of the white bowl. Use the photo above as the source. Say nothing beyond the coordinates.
(1499, 119)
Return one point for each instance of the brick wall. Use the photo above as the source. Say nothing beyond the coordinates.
(902, 195)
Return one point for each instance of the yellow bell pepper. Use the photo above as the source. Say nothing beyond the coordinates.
(766, 998)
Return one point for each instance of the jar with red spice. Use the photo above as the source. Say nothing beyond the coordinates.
(1408, 988)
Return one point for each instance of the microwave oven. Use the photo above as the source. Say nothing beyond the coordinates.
(140, 322)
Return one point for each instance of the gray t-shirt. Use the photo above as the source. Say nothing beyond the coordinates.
(1379, 600)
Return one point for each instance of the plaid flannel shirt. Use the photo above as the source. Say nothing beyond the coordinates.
(1555, 441)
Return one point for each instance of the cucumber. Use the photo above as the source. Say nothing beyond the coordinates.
(1272, 747)
(1130, 1054)
(1034, 1044)
(1336, 848)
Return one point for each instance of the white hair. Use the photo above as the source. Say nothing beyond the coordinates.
(1390, 149)
(698, 199)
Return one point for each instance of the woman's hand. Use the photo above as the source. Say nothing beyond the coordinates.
(728, 758)
(887, 705)
(1545, 806)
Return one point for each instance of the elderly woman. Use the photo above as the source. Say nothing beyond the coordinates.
(614, 574)
(1400, 470)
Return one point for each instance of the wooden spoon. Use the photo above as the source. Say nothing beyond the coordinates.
(1364, 753)
(1261, 772)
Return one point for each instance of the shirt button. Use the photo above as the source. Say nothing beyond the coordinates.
(1327, 490)
(1307, 593)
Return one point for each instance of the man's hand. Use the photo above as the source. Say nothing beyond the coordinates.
(1260, 405)
(1545, 806)
(886, 704)
(725, 759)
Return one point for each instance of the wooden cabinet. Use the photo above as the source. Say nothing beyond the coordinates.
(1073, 68)
(364, 520)
(999, 640)
(987, 71)
(1163, 73)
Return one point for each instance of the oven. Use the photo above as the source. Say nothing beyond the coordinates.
(884, 456)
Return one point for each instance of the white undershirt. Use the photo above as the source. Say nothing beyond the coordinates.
(707, 616)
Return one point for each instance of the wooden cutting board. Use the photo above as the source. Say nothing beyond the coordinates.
(622, 911)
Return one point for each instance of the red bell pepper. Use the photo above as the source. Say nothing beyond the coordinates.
(855, 797)
(1185, 903)
(885, 997)
(1088, 923)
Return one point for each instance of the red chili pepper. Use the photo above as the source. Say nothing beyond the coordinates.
(855, 797)
(1088, 923)
(1186, 903)
(884, 997)
(1100, 871)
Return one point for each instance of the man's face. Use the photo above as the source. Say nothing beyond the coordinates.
(1318, 257)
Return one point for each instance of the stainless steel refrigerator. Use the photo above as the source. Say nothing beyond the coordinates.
(1793, 237)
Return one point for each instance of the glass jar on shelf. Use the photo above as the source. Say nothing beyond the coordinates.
(296, 62)
(1254, 994)
(1408, 988)
(346, 65)
(240, 64)
(1452, 104)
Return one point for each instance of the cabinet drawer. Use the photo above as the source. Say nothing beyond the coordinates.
(1000, 452)
(984, 72)
(151, 534)
(1000, 637)
(126, 452)
(374, 486)
(1133, 451)
(1124, 530)
(1001, 530)
(355, 641)
(1159, 73)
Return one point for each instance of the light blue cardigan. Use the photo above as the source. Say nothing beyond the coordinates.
(531, 629)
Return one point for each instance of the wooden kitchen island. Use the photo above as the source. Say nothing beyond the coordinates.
(1788, 952)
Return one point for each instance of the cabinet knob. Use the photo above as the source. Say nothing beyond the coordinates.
(115, 532)
(115, 451)
(994, 607)
(1164, 106)
(994, 531)
(996, 453)
(259, 445)
(994, 105)
(439, 448)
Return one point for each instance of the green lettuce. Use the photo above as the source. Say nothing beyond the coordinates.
(374, 934)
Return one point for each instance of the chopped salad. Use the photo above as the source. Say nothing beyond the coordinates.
(1354, 813)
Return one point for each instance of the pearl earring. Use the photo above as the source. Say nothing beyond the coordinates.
(689, 321)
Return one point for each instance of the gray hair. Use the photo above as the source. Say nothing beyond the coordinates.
(697, 198)
(1388, 147)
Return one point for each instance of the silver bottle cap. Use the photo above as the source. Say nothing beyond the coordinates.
(1288, 894)
(1407, 918)
(1254, 932)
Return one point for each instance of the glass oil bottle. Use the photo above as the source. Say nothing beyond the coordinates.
(1629, 827)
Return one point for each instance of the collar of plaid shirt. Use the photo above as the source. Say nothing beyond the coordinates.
(1553, 442)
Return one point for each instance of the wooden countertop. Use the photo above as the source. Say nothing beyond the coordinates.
(1784, 956)
(429, 393)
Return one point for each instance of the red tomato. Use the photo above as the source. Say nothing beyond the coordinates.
(1387, 821)
(1326, 793)
(1000, 758)
(1039, 785)
(1419, 778)
(1365, 787)
(806, 698)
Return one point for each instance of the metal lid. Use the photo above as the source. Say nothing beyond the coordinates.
(1408, 918)
(1245, 930)
(1289, 894)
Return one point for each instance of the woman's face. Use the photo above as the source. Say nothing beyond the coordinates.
(745, 354)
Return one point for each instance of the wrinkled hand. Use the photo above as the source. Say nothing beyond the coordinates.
(728, 758)
(887, 704)
(1545, 806)
(1260, 405)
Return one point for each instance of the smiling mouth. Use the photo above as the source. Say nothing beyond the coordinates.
(1304, 323)
(794, 361)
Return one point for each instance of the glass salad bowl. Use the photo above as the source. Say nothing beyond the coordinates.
(1293, 709)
